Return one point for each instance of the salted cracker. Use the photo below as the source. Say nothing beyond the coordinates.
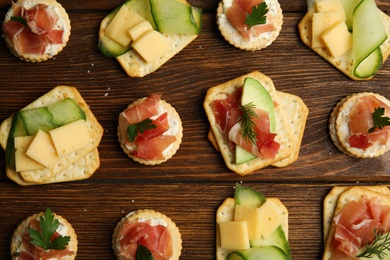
(283, 130)
(343, 63)
(175, 128)
(339, 129)
(234, 37)
(152, 216)
(94, 128)
(344, 197)
(65, 229)
(226, 211)
(62, 24)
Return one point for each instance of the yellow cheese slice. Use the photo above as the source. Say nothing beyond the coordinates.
(270, 218)
(324, 6)
(42, 150)
(22, 161)
(71, 137)
(321, 23)
(252, 216)
(139, 29)
(338, 39)
(234, 235)
(122, 22)
(151, 45)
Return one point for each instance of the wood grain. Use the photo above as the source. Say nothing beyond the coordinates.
(190, 186)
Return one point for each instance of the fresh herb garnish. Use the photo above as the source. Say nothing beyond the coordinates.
(258, 15)
(132, 130)
(247, 124)
(143, 253)
(19, 19)
(48, 226)
(379, 119)
(378, 247)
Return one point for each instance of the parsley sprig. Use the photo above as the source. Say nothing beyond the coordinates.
(143, 253)
(379, 119)
(247, 124)
(48, 225)
(132, 130)
(379, 247)
(258, 15)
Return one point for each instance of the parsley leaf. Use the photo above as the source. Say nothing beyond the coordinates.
(132, 130)
(48, 225)
(19, 19)
(258, 15)
(247, 124)
(143, 253)
(379, 119)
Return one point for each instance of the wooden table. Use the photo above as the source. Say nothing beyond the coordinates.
(190, 186)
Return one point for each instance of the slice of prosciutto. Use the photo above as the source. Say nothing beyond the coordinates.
(361, 120)
(237, 13)
(32, 30)
(156, 238)
(227, 112)
(355, 225)
(151, 143)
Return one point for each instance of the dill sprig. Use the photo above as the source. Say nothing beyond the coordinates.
(247, 125)
(378, 247)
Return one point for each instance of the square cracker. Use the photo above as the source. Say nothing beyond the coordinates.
(345, 62)
(338, 198)
(49, 175)
(283, 130)
(297, 112)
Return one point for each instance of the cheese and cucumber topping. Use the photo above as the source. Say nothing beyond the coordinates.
(356, 26)
(39, 136)
(157, 17)
(257, 228)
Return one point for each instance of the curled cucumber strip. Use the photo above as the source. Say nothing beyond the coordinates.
(368, 34)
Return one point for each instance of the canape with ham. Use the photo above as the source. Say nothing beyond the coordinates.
(36, 30)
(29, 239)
(150, 130)
(360, 125)
(146, 232)
(250, 24)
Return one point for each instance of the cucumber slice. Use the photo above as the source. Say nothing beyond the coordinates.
(349, 6)
(17, 129)
(109, 47)
(37, 118)
(248, 197)
(368, 34)
(66, 111)
(278, 238)
(172, 16)
(259, 253)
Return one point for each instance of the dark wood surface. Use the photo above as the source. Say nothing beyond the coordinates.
(190, 186)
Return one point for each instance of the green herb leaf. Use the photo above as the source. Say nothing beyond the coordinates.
(247, 124)
(379, 119)
(258, 15)
(134, 129)
(19, 19)
(143, 253)
(379, 247)
(48, 226)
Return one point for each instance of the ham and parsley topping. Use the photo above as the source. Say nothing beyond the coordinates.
(250, 17)
(43, 241)
(369, 122)
(32, 29)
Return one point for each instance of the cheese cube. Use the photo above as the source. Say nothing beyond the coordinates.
(252, 217)
(270, 218)
(22, 161)
(337, 39)
(325, 6)
(322, 22)
(151, 45)
(42, 150)
(71, 137)
(123, 21)
(234, 235)
(140, 29)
